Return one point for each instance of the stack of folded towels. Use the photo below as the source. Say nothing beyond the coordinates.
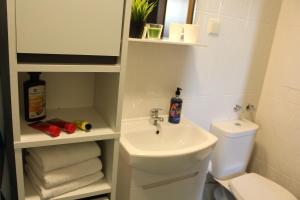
(55, 170)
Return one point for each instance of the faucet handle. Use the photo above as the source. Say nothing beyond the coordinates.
(155, 111)
(237, 108)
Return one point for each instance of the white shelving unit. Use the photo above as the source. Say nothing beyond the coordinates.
(165, 41)
(93, 92)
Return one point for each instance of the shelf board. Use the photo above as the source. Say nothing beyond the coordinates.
(97, 188)
(33, 138)
(165, 41)
(67, 68)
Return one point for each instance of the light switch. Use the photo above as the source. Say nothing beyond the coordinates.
(213, 26)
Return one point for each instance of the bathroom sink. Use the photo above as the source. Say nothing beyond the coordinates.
(175, 149)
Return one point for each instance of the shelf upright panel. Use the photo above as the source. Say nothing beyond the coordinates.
(114, 68)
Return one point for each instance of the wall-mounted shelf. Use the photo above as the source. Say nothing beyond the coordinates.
(33, 138)
(98, 188)
(67, 68)
(165, 41)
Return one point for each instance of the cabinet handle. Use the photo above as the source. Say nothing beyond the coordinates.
(169, 181)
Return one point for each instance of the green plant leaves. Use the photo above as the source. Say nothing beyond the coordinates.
(141, 9)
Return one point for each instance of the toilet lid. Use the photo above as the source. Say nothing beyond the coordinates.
(253, 186)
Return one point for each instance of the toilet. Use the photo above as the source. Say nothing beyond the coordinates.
(230, 159)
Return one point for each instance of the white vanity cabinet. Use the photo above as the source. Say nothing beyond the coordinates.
(71, 27)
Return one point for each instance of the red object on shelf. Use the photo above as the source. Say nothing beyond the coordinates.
(47, 128)
(67, 127)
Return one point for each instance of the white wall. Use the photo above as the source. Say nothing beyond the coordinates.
(214, 78)
(277, 153)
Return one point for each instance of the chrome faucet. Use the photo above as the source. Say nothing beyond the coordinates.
(155, 117)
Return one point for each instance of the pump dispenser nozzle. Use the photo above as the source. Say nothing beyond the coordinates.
(178, 91)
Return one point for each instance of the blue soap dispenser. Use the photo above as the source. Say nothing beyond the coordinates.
(175, 107)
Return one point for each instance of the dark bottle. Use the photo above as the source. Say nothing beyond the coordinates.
(175, 108)
(34, 98)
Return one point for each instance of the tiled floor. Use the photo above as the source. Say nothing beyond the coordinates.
(214, 191)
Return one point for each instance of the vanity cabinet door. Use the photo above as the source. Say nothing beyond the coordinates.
(76, 27)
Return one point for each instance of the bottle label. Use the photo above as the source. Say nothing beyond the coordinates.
(175, 111)
(37, 102)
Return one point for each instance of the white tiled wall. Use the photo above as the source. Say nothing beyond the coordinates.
(277, 152)
(229, 71)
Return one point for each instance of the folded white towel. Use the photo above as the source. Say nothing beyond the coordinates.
(54, 157)
(62, 189)
(62, 175)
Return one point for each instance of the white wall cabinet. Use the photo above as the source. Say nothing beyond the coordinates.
(76, 27)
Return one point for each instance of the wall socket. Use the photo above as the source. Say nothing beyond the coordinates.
(213, 26)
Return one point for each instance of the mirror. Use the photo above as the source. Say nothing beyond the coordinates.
(172, 11)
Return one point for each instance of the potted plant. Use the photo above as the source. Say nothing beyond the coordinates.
(140, 10)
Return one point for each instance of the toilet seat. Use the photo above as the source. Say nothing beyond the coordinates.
(255, 187)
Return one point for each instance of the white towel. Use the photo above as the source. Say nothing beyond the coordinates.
(54, 157)
(62, 189)
(62, 175)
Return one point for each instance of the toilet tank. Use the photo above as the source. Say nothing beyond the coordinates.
(233, 150)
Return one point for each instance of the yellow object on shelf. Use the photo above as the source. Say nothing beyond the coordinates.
(83, 125)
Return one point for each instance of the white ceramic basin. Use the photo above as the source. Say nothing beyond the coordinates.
(175, 149)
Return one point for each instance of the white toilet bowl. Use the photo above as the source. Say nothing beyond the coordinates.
(230, 159)
(255, 187)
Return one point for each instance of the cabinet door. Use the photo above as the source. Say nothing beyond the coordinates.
(76, 27)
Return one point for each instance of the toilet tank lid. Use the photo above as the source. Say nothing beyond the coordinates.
(253, 186)
(236, 128)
